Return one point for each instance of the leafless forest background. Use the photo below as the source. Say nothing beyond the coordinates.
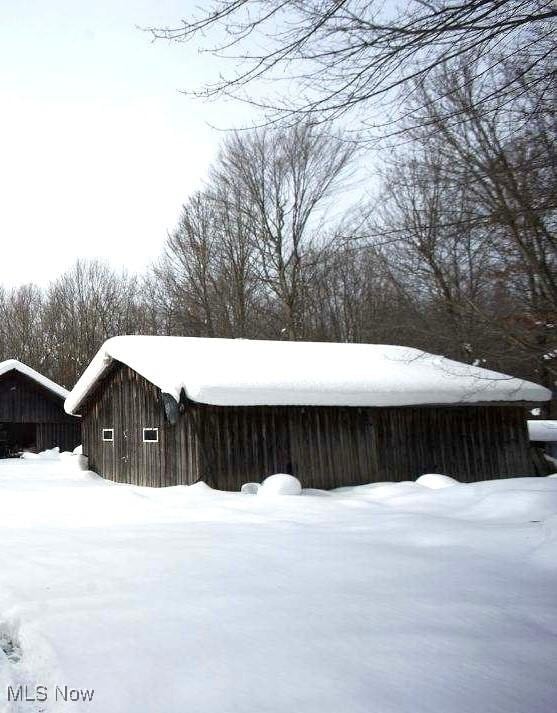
(451, 249)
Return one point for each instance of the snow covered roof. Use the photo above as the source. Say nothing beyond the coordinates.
(543, 431)
(241, 372)
(14, 365)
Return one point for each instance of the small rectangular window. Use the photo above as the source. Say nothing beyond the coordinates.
(108, 434)
(150, 435)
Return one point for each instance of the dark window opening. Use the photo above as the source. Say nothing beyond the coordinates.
(108, 434)
(150, 435)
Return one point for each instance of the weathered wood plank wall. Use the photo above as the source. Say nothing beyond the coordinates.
(331, 446)
(127, 403)
(22, 400)
(325, 446)
(64, 435)
(469, 443)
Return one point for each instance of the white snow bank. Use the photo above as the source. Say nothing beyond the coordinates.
(250, 488)
(379, 491)
(416, 601)
(517, 500)
(70, 461)
(49, 454)
(254, 488)
(14, 365)
(251, 372)
(543, 431)
(515, 505)
(199, 488)
(74, 460)
(280, 484)
(436, 481)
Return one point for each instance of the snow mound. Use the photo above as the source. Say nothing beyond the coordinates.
(69, 461)
(378, 491)
(280, 484)
(435, 481)
(49, 454)
(429, 607)
(517, 505)
(250, 488)
(78, 451)
(200, 488)
(74, 461)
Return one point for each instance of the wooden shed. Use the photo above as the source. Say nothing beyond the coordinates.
(32, 415)
(168, 410)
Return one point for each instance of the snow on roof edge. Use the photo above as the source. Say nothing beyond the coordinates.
(15, 365)
(542, 430)
(260, 372)
(90, 377)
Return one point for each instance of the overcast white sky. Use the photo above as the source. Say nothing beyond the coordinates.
(98, 148)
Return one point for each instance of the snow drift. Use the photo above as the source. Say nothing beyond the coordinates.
(384, 598)
(542, 430)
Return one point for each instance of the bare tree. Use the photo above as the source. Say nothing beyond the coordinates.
(468, 226)
(357, 54)
(157, 314)
(350, 297)
(209, 283)
(83, 307)
(439, 260)
(21, 337)
(282, 183)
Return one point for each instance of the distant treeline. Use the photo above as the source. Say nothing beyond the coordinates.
(456, 254)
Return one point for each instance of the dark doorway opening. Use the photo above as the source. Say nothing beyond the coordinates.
(16, 437)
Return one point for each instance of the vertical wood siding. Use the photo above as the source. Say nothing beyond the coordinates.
(469, 443)
(325, 446)
(22, 400)
(64, 435)
(127, 403)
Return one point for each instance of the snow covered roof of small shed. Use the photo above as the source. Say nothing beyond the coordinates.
(543, 431)
(15, 365)
(242, 372)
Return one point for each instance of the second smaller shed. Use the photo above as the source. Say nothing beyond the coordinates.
(32, 415)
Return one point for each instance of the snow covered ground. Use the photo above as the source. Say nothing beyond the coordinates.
(395, 598)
